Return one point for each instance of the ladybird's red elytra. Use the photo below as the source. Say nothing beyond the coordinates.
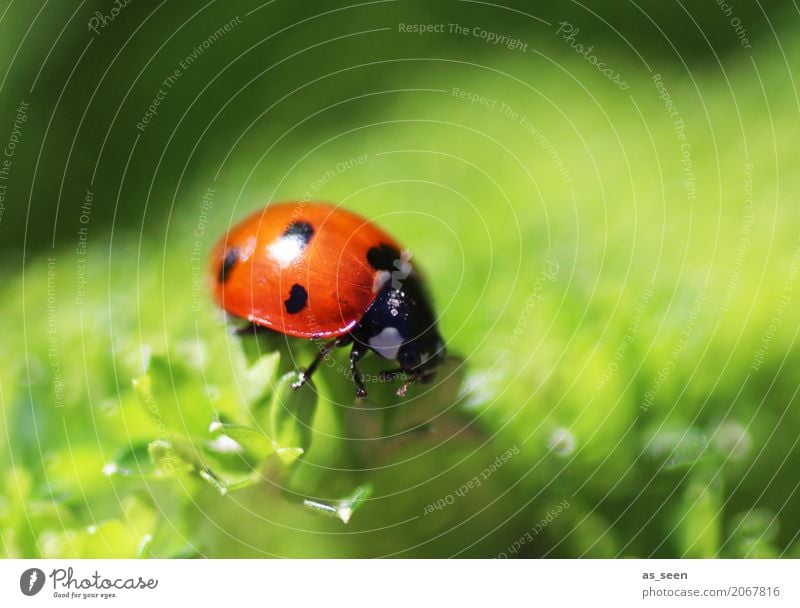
(318, 271)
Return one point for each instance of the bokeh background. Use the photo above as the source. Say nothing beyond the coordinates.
(614, 258)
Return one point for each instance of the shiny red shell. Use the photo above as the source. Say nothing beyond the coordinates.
(299, 268)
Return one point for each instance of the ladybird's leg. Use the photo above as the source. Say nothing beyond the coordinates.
(421, 377)
(322, 352)
(401, 392)
(358, 351)
(389, 375)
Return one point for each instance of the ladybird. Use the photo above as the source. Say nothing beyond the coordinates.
(319, 272)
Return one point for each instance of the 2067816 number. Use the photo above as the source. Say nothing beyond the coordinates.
(754, 591)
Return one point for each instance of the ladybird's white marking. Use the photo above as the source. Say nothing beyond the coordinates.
(381, 278)
(404, 269)
(387, 343)
(286, 250)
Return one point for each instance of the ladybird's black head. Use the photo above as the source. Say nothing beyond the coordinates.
(422, 354)
(401, 325)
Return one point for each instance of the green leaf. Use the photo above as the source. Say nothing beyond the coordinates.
(291, 414)
(134, 461)
(289, 455)
(699, 523)
(173, 458)
(176, 399)
(18, 538)
(343, 509)
(246, 440)
(125, 537)
(110, 539)
(229, 471)
(258, 377)
(255, 345)
(237, 454)
(222, 487)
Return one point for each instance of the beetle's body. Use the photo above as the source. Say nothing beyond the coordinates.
(316, 271)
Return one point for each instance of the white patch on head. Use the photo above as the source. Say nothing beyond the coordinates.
(404, 269)
(381, 278)
(387, 343)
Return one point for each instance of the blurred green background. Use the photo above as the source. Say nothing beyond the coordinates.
(615, 268)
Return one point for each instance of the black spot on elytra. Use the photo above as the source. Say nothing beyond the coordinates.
(383, 257)
(302, 231)
(228, 262)
(298, 297)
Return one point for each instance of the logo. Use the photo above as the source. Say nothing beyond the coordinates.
(403, 266)
(31, 581)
